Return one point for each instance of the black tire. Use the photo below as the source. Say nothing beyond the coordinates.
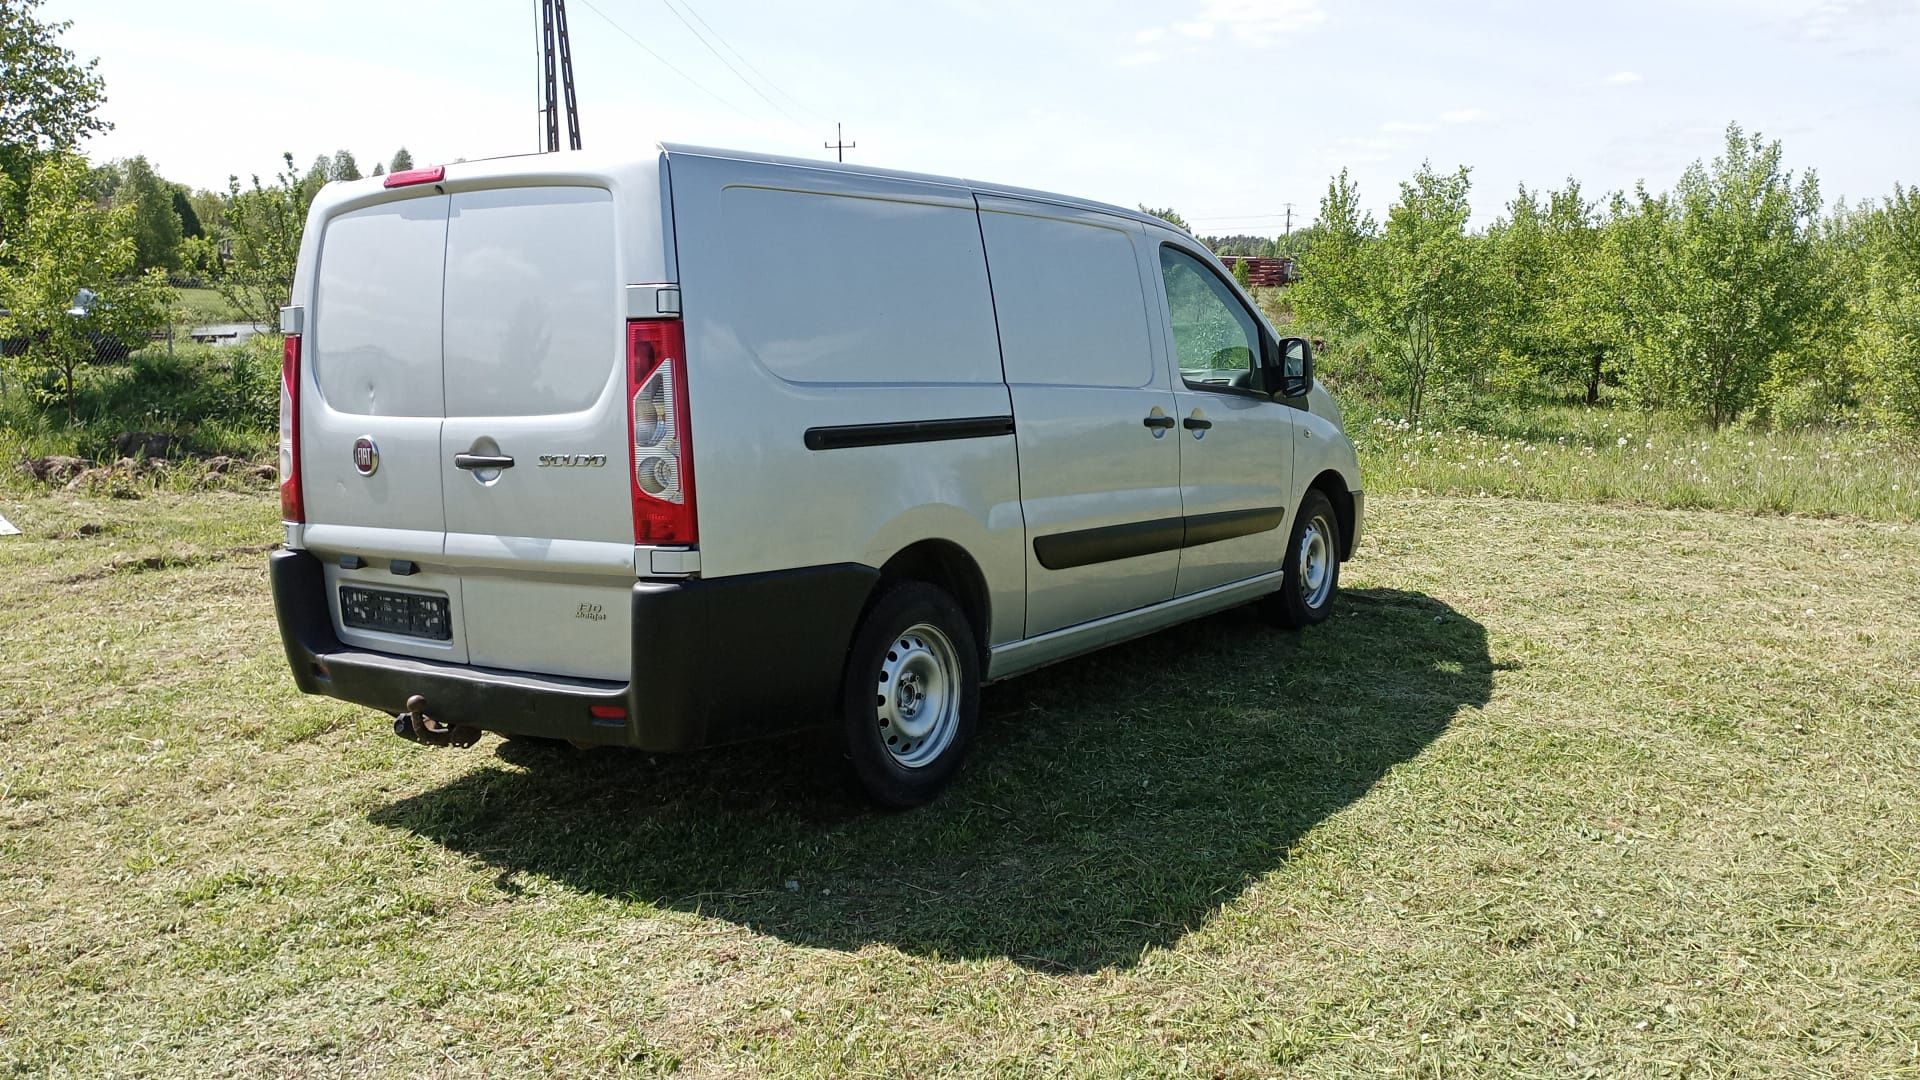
(1296, 604)
(918, 638)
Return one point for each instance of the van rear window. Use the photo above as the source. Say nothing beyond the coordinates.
(375, 343)
(533, 325)
(835, 289)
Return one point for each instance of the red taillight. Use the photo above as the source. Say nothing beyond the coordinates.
(661, 466)
(416, 176)
(292, 507)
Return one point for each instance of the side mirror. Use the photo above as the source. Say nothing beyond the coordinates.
(1287, 372)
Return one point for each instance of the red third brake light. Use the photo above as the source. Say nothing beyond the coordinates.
(661, 466)
(416, 176)
(292, 506)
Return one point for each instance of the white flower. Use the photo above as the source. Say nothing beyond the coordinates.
(1622, 442)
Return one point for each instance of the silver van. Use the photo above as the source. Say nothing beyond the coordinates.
(708, 446)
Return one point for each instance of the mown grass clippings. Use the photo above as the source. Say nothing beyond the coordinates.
(1560, 790)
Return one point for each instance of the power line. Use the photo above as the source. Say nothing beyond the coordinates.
(695, 31)
(764, 77)
(668, 64)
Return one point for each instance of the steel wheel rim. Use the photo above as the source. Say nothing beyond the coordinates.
(917, 695)
(1316, 562)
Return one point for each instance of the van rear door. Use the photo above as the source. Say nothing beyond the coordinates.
(533, 455)
(370, 436)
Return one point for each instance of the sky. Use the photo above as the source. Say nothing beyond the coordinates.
(1227, 110)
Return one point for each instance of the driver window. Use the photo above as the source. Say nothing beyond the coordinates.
(1214, 335)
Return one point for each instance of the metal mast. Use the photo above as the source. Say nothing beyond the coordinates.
(556, 58)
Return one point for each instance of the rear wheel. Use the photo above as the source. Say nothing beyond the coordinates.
(1313, 565)
(910, 695)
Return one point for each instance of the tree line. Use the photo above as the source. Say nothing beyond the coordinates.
(87, 252)
(1737, 295)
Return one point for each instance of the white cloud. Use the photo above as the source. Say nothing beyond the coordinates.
(1138, 58)
(1465, 116)
(1407, 127)
(1830, 19)
(1258, 23)
(1624, 78)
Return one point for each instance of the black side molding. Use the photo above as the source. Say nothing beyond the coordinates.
(1206, 528)
(907, 431)
(1064, 551)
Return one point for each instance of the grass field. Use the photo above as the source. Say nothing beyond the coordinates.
(203, 305)
(1651, 459)
(1562, 790)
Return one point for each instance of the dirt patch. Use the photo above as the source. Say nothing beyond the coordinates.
(130, 477)
(54, 469)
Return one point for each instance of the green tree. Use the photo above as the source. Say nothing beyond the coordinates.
(1429, 302)
(317, 176)
(1168, 215)
(69, 242)
(344, 167)
(49, 100)
(1885, 348)
(183, 208)
(263, 224)
(1727, 292)
(402, 161)
(1241, 275)
(1554, 305)
(209, 207)
(1336, 273)
(155, 225)
(379, 169)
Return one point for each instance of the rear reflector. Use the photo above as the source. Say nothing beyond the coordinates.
(416, 176)
(662, 463)
(607, 712)
(292, 506)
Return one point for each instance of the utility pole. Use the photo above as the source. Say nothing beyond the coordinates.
(1289, 221)
(839, 146)
(556, 85)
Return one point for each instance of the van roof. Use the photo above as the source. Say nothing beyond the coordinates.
(914, 177)
(568, 161)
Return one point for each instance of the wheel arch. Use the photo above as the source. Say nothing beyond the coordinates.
(1334, 486)
(948, 565)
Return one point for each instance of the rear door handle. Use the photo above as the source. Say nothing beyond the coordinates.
(1158, 422)
(1196, 423)
(482, 461)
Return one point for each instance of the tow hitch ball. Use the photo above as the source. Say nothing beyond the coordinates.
(416, 726)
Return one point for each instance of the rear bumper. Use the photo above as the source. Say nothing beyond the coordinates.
(714, 661)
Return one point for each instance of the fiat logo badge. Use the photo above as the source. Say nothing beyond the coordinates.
(366, 455)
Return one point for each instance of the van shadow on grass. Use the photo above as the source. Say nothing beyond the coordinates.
(1111, 803)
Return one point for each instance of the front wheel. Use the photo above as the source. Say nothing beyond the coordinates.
(910, 695)
(1313, 565)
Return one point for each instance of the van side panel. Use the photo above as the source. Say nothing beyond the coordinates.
(828, 317)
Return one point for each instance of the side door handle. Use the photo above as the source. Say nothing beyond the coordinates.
(482, 461)
(1196, 423)
(1158, 423)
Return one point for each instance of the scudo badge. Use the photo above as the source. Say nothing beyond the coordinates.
(366, 455)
